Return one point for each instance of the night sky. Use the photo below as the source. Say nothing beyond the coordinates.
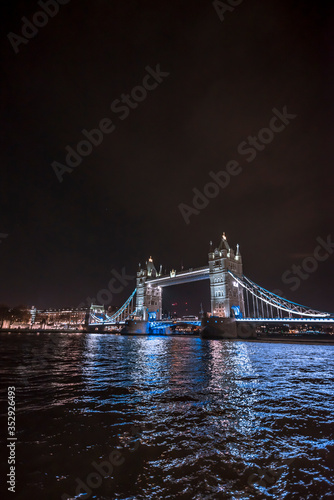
(121, 203)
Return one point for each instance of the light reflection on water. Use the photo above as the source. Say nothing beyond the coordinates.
(215, 417)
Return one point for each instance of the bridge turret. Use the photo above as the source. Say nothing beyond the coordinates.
(211, 252)
(226, 296)
(149, 297)
(151, 270)
(224, 243)
(238, 263)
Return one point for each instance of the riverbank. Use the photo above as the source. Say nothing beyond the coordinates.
(268, 340)
(288, 341)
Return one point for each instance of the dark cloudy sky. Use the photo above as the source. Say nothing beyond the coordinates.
(120, 205)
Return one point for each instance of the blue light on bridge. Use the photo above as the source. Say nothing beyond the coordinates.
(236, 312)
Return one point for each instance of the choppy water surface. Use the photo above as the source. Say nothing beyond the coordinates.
(192, 418)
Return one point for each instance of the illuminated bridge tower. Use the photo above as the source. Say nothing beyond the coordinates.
(227, 299)
(149, 297)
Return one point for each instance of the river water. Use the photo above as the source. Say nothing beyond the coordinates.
(169, 417)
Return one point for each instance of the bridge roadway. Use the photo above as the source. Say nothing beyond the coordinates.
(285, 320)
(259, 321)
(168, 322)
(199, 273)
(163, 323)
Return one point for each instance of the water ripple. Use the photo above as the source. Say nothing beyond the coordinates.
(193, 419)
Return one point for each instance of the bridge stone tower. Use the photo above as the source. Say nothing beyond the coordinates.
(227, 299)
(149, 297)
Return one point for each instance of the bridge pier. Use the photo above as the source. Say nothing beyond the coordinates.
(95, 328)
(135, 327)
(227, 328)
(220, 328)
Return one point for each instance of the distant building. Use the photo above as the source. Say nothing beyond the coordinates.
(49, 319)
(56, 319)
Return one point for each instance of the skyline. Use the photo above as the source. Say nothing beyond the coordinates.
(121, 203)
(180, 292)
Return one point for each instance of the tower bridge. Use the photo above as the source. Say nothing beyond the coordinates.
(235, 299)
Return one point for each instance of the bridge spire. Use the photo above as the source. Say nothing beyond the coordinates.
(223, 243)
(151, 270)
